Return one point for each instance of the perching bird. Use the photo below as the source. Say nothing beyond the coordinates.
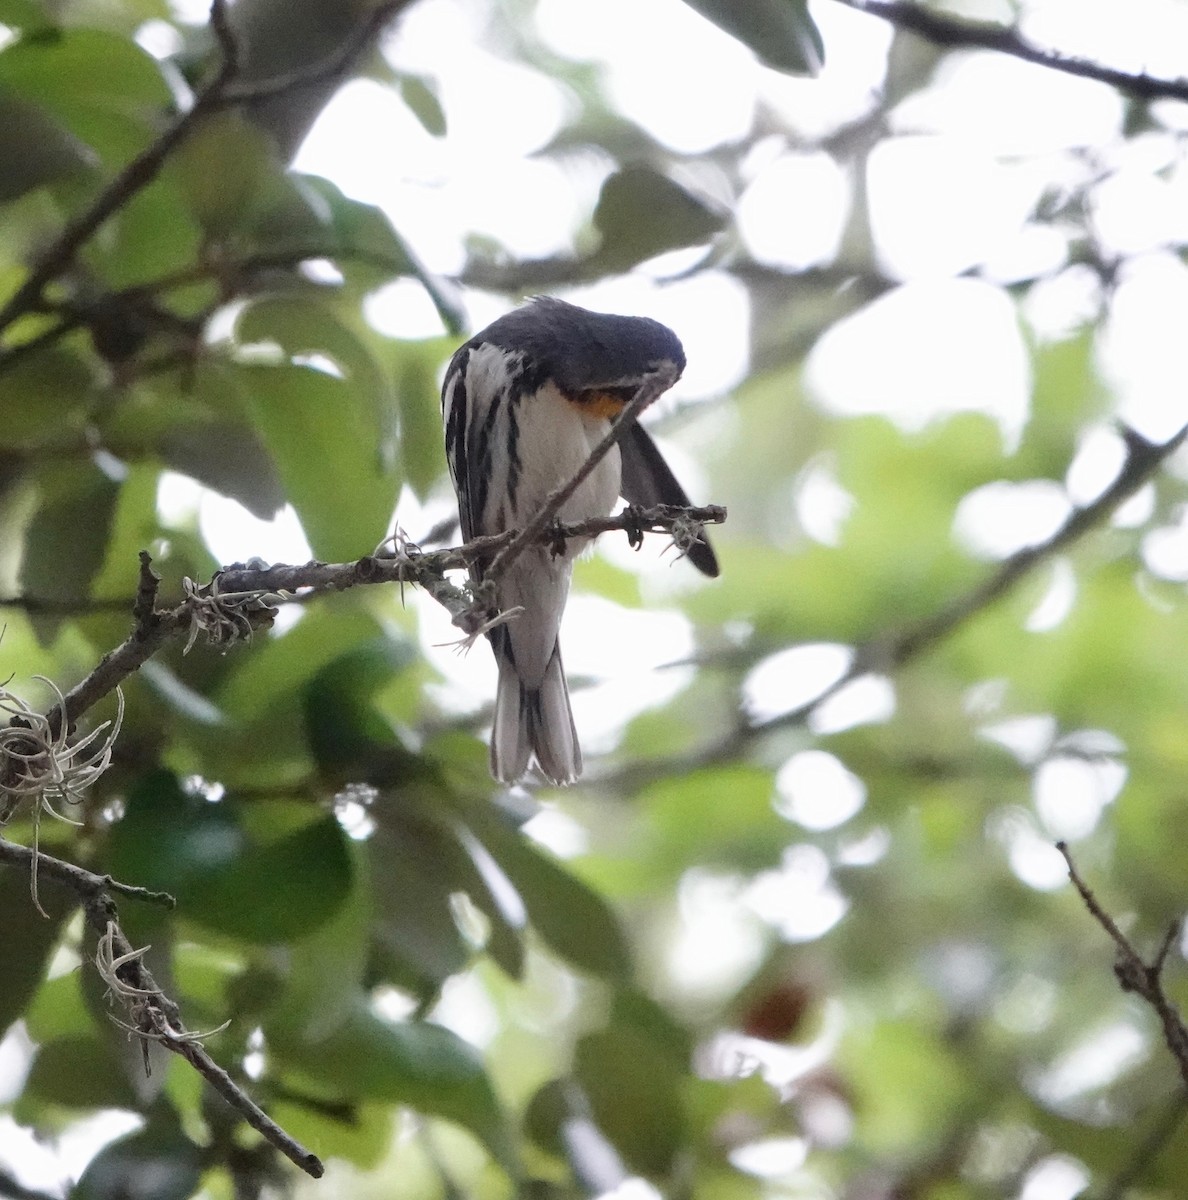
(523, 403)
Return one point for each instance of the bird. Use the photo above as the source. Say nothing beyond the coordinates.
(524, 401)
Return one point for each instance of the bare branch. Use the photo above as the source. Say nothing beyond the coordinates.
(1135, 975)
(82, 882)
(944, 30)
(241, 598)
(154, 1015)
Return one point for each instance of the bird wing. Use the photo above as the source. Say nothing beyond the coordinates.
(648, 480)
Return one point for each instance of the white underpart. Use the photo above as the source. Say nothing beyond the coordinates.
(554, 439)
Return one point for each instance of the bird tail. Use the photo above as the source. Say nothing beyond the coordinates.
(533, 721)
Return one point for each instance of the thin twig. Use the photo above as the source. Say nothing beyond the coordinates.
(154, 1014)
(953, 32)
(78, 879)
(1135, 975)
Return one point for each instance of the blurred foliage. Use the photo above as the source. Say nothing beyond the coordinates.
(726, 990)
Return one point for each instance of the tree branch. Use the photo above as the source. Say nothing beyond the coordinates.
(889, 651)
(241, 599)
(154, 1015)
(219, 93)
(944, 30)
(1134, 974)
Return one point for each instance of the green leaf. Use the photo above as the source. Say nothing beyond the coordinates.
(35, 148)
(45, 395)
(419, 92)
(152, 235)
(721, 816)
(568, 914)
(278, 891)
(326, 969)
(78, 1072)
(909, 1085)
(106, 90)
(59, 1010)
(27, 937)
(308, 326)
(222, 169)
(158, 1161)
(416, 867)
(348, 736)
(362, 1134)
(325, 436)
(272, 676)
(228, 457)
(267, 872)
(22, 14)
(422, 451)
(416, 1063)
(366, 239)
(1066, 393)
(780, 32)
(633, 1088)
(642, 213)
(66, 540)
(630, 1077)
(360, 230)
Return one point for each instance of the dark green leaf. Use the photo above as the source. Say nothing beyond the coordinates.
(35, 148)
(630, 1077)
(230, 459)
(780, 32)
(45, 395)
(325, 970)
(159, 1161)
(28, 939)
(416, 867)
(278, 891)
(418, 1064)
(276, 879)
(642, 213)
(325, 436)
(79, 1072)
(420, 94)
(422, 453)
(348, 736)
(66, 541)
(568, 914)
(102, 87)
